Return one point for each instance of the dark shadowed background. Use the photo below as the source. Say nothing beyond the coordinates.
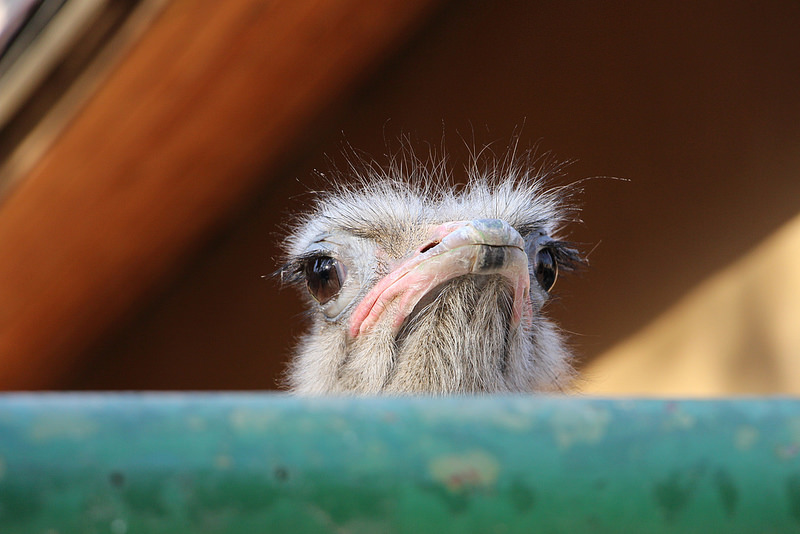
(695, 105)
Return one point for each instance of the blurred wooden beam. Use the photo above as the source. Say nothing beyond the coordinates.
(187, 125)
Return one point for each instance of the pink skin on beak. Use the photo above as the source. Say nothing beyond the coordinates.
(455, 249)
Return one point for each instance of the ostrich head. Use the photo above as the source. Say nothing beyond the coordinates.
(414, 286)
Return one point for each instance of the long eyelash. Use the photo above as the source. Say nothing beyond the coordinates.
(567, 256)
(526, 229)
(289, 273)
(292, 272)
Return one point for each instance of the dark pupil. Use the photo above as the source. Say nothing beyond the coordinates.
(322, 278)
(546, 269)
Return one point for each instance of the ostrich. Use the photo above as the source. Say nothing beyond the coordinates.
(417, 287)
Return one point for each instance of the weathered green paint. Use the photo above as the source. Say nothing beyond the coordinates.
(246, 463)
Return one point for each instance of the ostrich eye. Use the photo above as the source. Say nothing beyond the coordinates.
(324, 277)
(546, 269)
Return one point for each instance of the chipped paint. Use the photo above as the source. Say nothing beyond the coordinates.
(119, 526)
(223, 461)
(474, 469)
(251, 420)
(585, 425)
(514, 421)
(746, 437)
(678, 418)
(787, 451)
(54, 427)
(196, 423)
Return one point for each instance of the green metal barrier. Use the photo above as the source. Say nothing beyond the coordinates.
(244, 463)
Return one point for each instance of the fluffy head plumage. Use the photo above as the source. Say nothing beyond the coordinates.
(461, 337)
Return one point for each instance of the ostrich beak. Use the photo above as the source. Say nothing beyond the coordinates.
(482, 246)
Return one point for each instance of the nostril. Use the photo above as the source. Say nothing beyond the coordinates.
(429, 246)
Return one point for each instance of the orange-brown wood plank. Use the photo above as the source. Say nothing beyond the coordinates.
(186, 126)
